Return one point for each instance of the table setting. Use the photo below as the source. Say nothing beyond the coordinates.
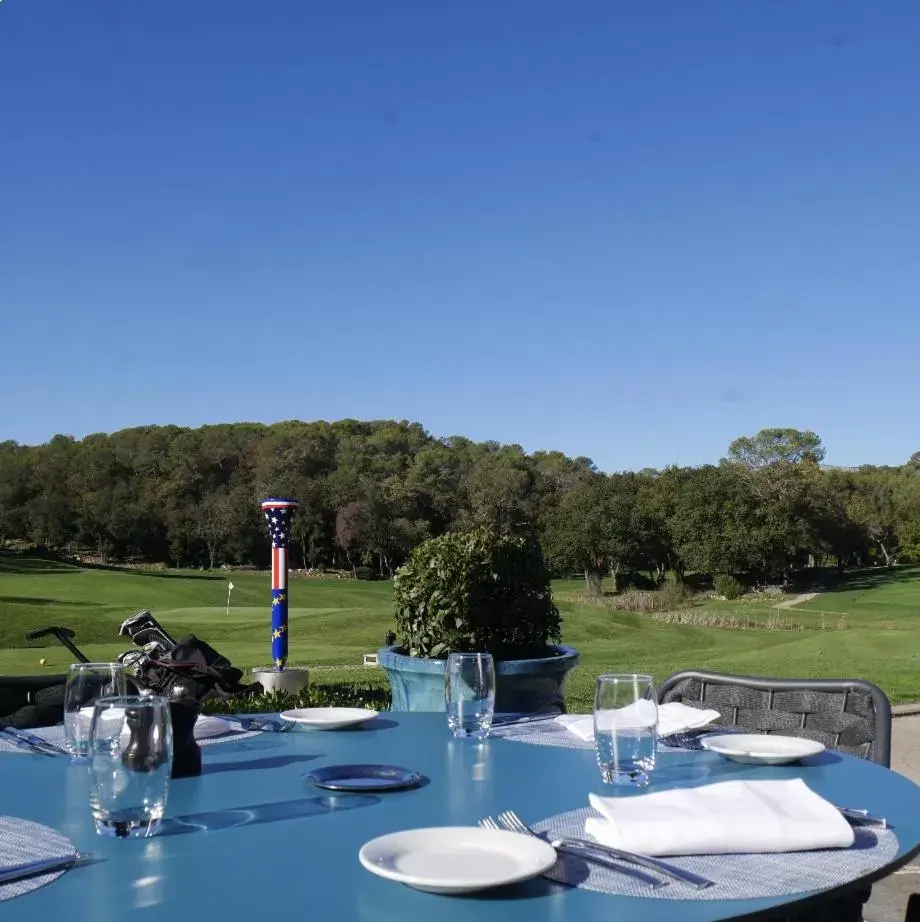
(448, 841)
(719, 831)
(445, 808)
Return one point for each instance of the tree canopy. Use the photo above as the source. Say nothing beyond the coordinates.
(369, 492)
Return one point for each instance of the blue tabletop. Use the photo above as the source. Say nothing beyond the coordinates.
(251, 839)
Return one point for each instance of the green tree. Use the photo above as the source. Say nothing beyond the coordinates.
(716, 523)
(776, 446)
(592, 529)
(498, 489)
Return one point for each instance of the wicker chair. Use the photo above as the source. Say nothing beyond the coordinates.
(848, 715)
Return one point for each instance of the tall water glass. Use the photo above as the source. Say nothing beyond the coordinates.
(625, 728)
(130, 757)
(86, 683)
(469, 692)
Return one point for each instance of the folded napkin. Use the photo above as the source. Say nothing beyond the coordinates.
(207, 726)
(730, 817)
(674, 717)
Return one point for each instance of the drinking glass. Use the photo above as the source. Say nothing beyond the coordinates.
(87, 682)
(130, 757)
(625, 728)
(469, 692)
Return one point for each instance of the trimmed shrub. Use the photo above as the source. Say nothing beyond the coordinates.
(475, 592)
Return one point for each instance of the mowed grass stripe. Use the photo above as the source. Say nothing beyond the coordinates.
(334, 622)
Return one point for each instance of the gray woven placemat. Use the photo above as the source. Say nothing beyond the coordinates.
(552, 733)
(22, 841)
(737, 877)
(56, 735)
(541, 733)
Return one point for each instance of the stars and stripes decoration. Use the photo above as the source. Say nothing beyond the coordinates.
(278, 514)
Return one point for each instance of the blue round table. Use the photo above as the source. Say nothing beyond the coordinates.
(250, 839)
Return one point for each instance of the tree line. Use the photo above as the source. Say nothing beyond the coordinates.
(371, 491)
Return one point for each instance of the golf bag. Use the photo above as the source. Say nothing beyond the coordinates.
(188, 668)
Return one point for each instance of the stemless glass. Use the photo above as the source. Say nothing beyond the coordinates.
(130, 756)
(87, 682)
(469, 693)
(625, 728)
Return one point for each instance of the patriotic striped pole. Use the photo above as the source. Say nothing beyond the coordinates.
(278, 514)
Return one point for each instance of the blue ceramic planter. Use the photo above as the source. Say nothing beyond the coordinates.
(522, 685)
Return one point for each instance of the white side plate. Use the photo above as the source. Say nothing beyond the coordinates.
(457, 859)
(328, 718)
(761, 749)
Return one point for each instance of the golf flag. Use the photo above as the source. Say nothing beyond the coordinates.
(229, 590)
(278, 514)
(229, 586)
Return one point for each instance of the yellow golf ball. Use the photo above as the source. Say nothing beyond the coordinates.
(41, 662)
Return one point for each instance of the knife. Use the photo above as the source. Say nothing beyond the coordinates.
(39, 741)
(31, 743)
(36, 868)
(527, 719)
(862, 817)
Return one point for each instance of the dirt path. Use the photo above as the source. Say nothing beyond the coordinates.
(796, 599)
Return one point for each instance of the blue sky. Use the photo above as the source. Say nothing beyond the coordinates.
(622, 229)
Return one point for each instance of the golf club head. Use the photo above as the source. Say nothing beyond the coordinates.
(144, 629)
(136, 660)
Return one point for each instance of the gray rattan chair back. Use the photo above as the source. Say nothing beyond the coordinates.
(848, 715)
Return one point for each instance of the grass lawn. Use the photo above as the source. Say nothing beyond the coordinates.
(333, 622)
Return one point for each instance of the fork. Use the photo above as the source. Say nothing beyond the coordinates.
(511, 821)
(588, 852)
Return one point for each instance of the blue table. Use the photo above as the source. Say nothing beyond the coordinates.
(249, 839)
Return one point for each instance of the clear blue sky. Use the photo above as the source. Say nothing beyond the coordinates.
(625, 229)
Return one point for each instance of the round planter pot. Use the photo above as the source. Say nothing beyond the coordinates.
(287, 681)
(523, 686)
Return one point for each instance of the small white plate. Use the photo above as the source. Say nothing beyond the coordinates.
(761, 749)
(328, 718)
(457, 859)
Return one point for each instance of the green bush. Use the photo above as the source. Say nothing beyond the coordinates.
(346, 694)
(727, 586)
(364, 573)
(475, 592)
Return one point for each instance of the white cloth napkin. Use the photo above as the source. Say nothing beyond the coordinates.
(207, 726)
(674, 717)
(730, 817)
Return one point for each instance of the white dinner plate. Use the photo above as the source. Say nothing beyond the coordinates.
(457, 859)
(328, 718)
(760, 749)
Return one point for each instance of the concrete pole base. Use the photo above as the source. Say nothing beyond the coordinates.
(286, 681)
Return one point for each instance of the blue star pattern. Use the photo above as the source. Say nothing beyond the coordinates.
(279, 524)
(279, 627)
